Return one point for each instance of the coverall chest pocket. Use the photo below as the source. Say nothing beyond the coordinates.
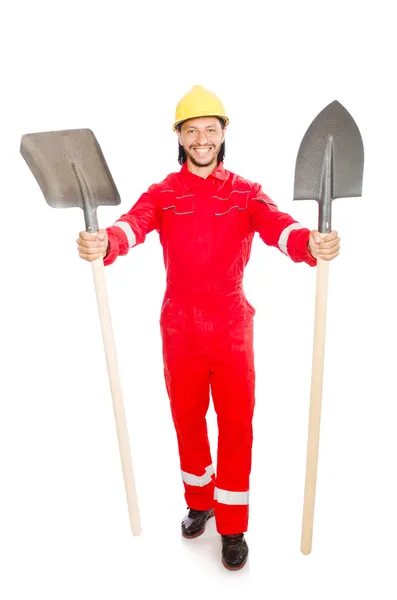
(178, 219)
(178, 205)
(231, 213)
(236, 202)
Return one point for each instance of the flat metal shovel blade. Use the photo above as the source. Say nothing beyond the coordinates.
(330, 160)
(71, 170)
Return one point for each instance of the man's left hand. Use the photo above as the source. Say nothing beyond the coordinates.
(325, 248)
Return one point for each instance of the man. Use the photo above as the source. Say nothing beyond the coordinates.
(206, 217)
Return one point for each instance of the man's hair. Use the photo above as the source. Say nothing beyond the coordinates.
(182, 158)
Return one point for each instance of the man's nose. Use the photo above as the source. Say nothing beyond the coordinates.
(202, 138)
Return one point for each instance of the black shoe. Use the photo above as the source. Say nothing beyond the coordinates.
(195, 521)
(234, 551)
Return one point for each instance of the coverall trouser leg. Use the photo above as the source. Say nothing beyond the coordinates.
(187, 380)
(233, 393)
(227, 370)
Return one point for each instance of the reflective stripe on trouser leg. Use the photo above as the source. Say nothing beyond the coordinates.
(233, 392)
(231, 498)
(199, 490)
(199, 481)
(187, 381)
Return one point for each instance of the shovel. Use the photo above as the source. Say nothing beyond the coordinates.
(71, 171)
(329, 165)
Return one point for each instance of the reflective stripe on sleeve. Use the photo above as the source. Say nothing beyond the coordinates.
(128, 232)
(283, 240)
(198, 481)
(231, 498)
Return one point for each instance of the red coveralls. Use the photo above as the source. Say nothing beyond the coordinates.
(206, 228)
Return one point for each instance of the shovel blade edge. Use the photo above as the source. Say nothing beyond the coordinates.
(60, 160)
(334, 122)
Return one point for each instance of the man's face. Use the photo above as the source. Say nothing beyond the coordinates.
(201, 139)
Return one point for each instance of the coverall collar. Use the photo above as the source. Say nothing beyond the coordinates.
(190, 180)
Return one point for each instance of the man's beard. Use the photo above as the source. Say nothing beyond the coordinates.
(200, 164)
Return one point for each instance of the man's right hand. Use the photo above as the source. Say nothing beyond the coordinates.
(92, 246)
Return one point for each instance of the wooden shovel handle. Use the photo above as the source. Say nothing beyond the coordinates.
(315, 405)
(115, 387)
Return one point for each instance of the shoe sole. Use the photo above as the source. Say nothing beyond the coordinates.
(196, 534)
(234, 567)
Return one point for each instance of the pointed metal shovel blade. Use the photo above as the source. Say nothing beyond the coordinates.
(330, 161)
(71, 170)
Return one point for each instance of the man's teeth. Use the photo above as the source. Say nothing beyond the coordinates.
(202, 150)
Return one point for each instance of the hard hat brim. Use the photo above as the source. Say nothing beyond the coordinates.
(223, 117)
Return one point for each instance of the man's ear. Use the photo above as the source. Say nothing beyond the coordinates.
(178, 131)
(223, 133)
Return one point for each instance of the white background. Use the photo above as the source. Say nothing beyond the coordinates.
(120, 70)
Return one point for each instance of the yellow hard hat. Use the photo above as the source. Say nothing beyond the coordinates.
(199, 102)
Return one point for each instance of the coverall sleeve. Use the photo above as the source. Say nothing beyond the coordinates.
(279, 229)
(132, 228)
